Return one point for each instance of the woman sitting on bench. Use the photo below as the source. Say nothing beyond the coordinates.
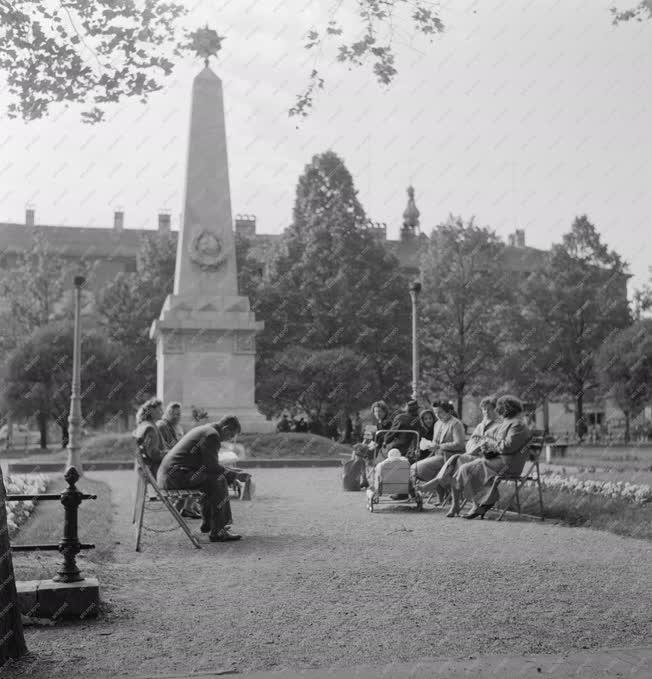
(147, 434)
(475, 480)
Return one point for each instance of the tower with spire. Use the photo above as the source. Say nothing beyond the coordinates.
(410, 217)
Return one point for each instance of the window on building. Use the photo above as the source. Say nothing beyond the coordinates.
(130, 267)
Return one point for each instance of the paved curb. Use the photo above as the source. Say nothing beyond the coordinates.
(45, 467)
(615, 662)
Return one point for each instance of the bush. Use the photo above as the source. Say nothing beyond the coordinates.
(109, 447)
(122, 447)
(291, 445)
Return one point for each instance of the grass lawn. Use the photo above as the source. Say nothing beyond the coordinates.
(45, 526)
(619, 457)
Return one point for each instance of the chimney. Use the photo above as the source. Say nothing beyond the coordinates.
(29, 216)
(520, 238)
(511, 240)
(118, 220)
(245, 226)
(164, 222)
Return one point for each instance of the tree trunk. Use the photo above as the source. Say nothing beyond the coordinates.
(546, 416)
(580, 424)
(12, 641)
(627, 426)
(43, 429)
(65, 437)
(10, 432)
(460, 402)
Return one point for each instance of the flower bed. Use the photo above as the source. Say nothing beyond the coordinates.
(637, 493)
(19, 511)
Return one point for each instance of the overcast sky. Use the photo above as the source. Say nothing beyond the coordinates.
(524, 114)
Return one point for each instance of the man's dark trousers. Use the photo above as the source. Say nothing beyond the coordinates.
(215, 506)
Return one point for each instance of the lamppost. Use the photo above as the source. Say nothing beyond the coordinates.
(74, 420)
(415, 289)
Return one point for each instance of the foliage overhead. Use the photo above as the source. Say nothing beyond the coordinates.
(91, 53)
(373, 42)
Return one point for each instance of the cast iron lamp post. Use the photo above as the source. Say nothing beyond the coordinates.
(74, 420)
(415, 289)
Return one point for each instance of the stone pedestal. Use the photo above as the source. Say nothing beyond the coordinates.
(54, 600)
(206, 352)
(205, 335)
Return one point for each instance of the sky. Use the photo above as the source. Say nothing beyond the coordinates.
(521, 114)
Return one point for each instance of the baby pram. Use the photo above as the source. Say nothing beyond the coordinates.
(393, 479)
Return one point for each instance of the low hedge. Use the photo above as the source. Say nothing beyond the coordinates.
(262, 446)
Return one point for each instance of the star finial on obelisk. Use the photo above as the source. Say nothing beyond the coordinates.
(206, 43)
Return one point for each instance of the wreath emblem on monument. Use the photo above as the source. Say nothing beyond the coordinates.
(206, 251)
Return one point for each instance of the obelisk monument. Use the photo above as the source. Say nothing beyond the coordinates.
(205, 335)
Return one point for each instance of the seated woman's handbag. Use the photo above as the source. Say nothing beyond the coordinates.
(490, 454)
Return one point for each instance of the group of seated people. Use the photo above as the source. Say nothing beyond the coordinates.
(445, 462)
(190, 462)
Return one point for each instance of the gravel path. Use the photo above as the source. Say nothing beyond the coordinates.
(320, 582)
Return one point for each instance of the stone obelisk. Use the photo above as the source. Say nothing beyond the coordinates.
(205, 335)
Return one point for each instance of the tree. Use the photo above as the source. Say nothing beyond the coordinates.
(32, 289)
(39, 376)
(130, 304)
(334, 285)
(95, 52)
(464, 307)
(572, 305)
(249, 269)
(315, 380)
(642, 298)
(624, 368)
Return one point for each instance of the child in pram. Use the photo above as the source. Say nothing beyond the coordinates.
(392, 479)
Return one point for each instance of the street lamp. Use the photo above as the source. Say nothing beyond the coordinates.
(74, 420)
(415, 289)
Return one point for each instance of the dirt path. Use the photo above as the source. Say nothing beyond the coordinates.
(319, 582)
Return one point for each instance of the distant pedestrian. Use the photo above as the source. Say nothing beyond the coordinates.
(283, 425)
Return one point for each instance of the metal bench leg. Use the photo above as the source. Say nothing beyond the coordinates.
(540, 493)
(139, 492)
(140, 506)
(177, 517)
(518, 499)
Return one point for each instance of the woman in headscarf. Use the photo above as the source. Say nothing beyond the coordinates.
(482, 432)
(503, 451)
(448, 438)
(147, 434)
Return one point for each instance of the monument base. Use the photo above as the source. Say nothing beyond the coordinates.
(251, 420)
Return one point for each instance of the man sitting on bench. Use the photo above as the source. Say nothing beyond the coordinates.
(192, 463)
